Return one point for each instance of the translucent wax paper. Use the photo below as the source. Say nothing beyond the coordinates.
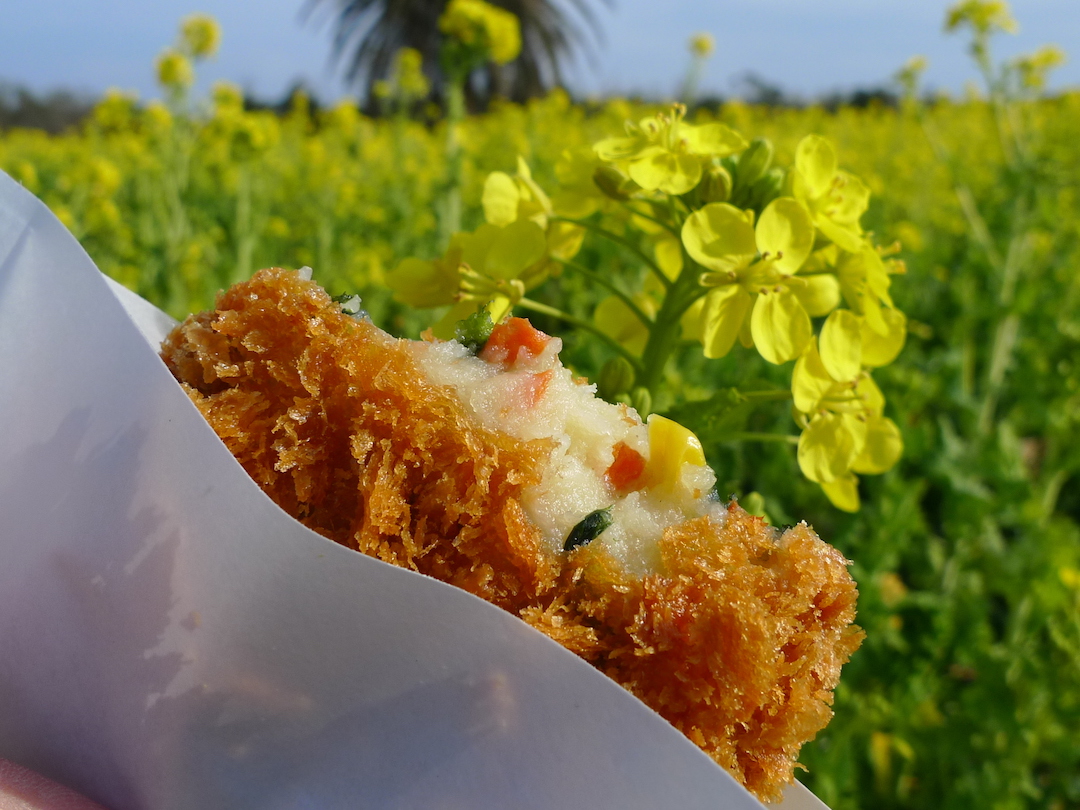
(170, 639)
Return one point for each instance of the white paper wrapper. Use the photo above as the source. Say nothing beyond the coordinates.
(169, 639)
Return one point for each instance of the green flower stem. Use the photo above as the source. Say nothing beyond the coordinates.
(614, 237)
(592, 275)
(747, 436)
(765, 396)
(544, 309)
(665, 225)
(664, 336)
(455, 114)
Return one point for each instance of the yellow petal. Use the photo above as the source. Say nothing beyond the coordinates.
(616, 320)
(870, 397)
(820, 295)
(780, 326)
(617, 148)
(421, 283)
(815, 161)
(883, 448)
(846, 236)
(669, 256)
(691, 321)
(720, 237)
(810, 382)
(841, 344)
(658, 169)
(564, 239)
(711, 139)
(500, 199)
(843, 493)
(475, 246)
(722, 316)
(829, 445)
(877, 275)
(785, 232)
(444, 328)
(850, 199)
(880, 350)
(516, 247)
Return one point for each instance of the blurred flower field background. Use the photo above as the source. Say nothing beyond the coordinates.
(700, 264)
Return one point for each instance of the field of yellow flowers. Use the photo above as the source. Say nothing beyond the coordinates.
(966, 548)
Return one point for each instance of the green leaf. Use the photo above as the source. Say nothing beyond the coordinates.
(588, 529)
(500, 200)
(780, 326)
(720, 237)
(722, 316)
(841, 344)
(785, 231)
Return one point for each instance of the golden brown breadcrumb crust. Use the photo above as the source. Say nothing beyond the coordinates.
(738, 642)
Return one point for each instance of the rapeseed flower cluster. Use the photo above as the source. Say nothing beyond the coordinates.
(482, 29)
(739, 251)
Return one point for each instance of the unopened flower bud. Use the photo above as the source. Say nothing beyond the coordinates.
(616, 377)
(755, 161)
(641, 400)
(715, 184)
(613, 183)
(767, 188)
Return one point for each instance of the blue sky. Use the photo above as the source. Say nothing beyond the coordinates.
(808, 47)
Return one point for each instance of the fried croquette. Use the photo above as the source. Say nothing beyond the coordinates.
(504, 475)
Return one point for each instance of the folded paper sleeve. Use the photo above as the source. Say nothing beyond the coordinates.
(171, 640)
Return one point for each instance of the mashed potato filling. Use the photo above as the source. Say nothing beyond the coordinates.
(534, 396)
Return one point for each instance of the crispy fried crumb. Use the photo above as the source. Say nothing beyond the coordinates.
(738, 642)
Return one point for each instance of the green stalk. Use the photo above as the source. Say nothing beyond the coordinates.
(596, 278)
(455, 114)
(619, 240)
(664, 336)
(749, 436)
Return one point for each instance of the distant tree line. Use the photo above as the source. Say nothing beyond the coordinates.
(61, 110)
(53, 112)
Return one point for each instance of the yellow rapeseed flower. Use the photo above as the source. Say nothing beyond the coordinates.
(984, 16)
(664, 153)
(702, 44)
(201, 35)
(174, 71)
(481, 25)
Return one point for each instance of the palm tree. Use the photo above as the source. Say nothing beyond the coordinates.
(367, 34)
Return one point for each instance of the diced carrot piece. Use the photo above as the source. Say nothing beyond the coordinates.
(533, 388)
(627, 468)
(509, 338)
